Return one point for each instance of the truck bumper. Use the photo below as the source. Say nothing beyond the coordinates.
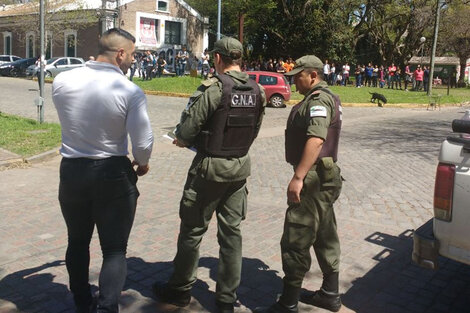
(425, 246)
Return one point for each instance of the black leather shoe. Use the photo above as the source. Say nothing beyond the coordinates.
(322, 299)
(278, 308)
(88, 308)
(223, 307)
(168, 295)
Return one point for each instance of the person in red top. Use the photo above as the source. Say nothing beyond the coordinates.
(418, 75)
(391, 71)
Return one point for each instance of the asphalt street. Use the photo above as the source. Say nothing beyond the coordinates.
(388, 158)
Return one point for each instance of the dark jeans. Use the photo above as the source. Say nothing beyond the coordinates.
(101, 192)
(132, 73)
(148, 72)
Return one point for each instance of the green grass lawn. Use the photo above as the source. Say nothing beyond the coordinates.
(187, 85)
(182, 85)
(27, 137)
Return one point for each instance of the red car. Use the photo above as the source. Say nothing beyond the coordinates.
(275, 85)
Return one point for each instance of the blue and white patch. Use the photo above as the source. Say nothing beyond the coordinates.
(318, 111)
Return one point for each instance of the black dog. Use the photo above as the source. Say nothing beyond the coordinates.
(379, 97)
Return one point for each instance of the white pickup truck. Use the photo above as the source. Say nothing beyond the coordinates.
(448, 233)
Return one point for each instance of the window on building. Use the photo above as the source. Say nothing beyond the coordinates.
(7, 43)
(172, 33)
(70, 44)
(162, 5)
(30, 45)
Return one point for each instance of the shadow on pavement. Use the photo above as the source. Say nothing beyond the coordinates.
(32, 291)
(396, 285)
(258, 285)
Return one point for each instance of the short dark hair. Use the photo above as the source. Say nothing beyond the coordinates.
(120, 32)
(103, 44)
(235, 58)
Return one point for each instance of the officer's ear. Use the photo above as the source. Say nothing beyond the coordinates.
(313, 74)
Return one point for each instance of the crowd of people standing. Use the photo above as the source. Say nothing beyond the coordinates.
(150, 65)
(391, 77)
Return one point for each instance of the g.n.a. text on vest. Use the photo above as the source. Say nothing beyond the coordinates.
(240, 100)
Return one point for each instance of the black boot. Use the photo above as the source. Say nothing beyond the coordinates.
(278, 308)
(224, 307)
(322, 299)
(172, 296)
(287, 303)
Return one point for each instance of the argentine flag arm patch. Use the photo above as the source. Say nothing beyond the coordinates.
(318, 111)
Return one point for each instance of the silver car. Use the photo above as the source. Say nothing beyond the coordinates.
(61, 64)
(8, 58)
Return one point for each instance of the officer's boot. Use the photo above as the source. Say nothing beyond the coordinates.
(327, 297)
(172, 296)
(287, 303)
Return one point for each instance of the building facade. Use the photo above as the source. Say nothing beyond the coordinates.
(163, 26)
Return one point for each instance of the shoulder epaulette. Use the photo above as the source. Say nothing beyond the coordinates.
(209, 81)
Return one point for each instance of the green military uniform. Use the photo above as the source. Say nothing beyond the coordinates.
(312, 222)
(214, 184)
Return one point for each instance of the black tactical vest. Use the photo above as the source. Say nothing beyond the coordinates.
(231, 130)
(296, 137)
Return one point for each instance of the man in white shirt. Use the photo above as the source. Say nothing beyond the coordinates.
(326, 71)
(205, 64)
(346, 70)
(98, 108)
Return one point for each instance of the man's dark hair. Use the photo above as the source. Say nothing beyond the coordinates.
(121, 32)
(235, 58)
(104, 44)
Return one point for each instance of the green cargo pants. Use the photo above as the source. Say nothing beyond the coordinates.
(310, 223)
(200, 199)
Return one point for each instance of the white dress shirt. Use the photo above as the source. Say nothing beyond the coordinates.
(98, 107)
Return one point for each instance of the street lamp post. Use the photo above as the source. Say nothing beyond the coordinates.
(422, 40)
(434, 44)
(40, 101)
(219, 18)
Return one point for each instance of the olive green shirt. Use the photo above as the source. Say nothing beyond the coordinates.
(316, 112)
(201, 106)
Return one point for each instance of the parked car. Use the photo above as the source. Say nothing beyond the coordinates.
(448, 232)
(57, 65)
(32, 70)
(275, 85)
(8, 58)
(17, 68)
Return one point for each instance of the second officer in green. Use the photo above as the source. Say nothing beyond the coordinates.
(221, 121)
(311, 144)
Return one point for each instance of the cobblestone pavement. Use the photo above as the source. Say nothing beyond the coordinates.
(388, 159)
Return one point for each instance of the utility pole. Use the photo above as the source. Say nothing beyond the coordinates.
(241, 21)
(219, 18)
(434, 44)
(40, 101)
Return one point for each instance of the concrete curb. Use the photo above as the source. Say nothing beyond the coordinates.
(45, 156)
(16, 162)
(11, 162)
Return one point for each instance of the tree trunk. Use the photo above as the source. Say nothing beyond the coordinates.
(463, 64)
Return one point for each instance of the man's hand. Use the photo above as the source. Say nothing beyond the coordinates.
(294, 189)
(141, 170)
(179, 143)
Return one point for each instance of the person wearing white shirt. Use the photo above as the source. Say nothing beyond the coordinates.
(205, 64)
(326, 70)
(346, 70)
(98, 108)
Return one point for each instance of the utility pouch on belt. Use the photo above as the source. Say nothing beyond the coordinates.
(326, 171)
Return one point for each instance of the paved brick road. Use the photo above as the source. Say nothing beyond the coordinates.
(388, 158)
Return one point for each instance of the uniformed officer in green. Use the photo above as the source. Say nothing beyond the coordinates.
(312, 137)
(221, 121)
